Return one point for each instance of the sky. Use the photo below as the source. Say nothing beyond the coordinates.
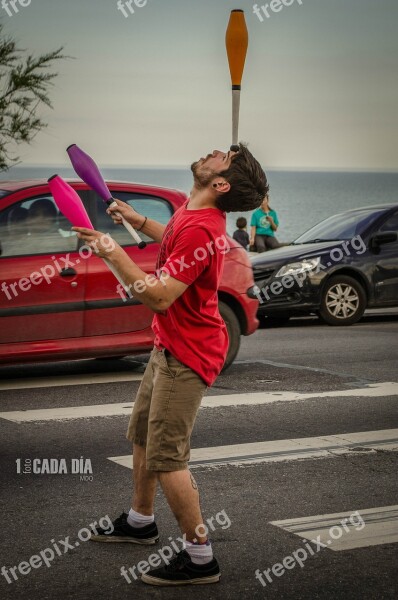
(320, 87)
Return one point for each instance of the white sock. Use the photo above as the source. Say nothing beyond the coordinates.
(134, 519)
(200, 553)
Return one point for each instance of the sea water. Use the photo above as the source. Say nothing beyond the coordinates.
(300, 198)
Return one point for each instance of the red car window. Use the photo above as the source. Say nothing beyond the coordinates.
(152, 207)
(35, 226)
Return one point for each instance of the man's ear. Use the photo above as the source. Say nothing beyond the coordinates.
(221, 186)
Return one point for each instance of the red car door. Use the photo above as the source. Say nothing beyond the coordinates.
(108, 311)
(42, 275)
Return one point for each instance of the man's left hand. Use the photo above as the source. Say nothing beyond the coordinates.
(101, 243)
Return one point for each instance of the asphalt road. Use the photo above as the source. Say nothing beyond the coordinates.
(313, 384)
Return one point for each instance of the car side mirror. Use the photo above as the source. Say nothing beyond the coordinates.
(385, 237)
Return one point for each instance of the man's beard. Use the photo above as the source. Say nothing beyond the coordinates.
(202, 177)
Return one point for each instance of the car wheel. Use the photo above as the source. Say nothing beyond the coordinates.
(343, 301)
(233, 327)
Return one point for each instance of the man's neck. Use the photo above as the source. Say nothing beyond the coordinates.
(201, 199)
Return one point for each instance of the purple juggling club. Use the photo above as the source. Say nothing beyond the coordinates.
(88, 171)
(71, 206)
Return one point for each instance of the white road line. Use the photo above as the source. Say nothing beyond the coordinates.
(364, 527)
(294, 449)
(250, 399)
(61, 381)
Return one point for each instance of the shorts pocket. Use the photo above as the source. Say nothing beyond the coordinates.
(172, 365)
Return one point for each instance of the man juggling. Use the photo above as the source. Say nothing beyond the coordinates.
(191, 339)
(189, 351)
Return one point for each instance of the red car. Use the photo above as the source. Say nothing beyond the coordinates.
(56, 303)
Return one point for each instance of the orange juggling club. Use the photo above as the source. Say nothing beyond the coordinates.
(236, 41)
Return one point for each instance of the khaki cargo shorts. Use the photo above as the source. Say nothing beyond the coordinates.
(164, 412)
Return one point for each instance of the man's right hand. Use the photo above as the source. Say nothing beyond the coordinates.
(127, 212)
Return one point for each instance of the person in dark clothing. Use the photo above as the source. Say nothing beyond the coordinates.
(241, 235)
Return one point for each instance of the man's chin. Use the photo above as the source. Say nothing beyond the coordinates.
(202, 179)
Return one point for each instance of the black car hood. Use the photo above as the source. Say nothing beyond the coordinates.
(291, 253)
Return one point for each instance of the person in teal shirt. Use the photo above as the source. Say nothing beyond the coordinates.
(264, 224)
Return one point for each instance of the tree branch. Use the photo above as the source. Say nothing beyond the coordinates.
(24, 86)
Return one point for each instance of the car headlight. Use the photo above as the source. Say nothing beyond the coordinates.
(296, 268)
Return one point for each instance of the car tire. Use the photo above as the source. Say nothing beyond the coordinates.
(343, 301)
(233, 327)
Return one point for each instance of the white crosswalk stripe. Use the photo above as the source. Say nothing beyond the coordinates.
(377, 390)
(380, 524)
(66, 380)
(344, 531)
(294, 449)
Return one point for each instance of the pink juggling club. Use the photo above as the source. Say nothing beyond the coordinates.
(71, 206)
(88, 171)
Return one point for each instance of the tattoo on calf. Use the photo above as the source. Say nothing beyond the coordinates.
(194, 484)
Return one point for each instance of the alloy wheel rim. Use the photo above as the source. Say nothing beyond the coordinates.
(342, 301)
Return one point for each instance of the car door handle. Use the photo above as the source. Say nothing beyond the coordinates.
(68, 272)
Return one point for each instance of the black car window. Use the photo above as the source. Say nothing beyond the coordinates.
(35, 226)
(344, 226)
(391, 224)
(152, 207)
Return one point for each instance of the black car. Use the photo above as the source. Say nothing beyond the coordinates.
(337, 269)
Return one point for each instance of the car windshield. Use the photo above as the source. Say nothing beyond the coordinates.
(344, 226)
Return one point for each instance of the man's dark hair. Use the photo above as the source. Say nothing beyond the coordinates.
(248, 183)
(241, 223)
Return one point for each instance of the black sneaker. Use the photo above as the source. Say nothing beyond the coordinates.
(182, 571)
(123, 532)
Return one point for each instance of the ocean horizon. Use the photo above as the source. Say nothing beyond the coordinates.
(301, 198)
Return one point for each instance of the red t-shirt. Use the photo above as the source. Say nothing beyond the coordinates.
(193, 247)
